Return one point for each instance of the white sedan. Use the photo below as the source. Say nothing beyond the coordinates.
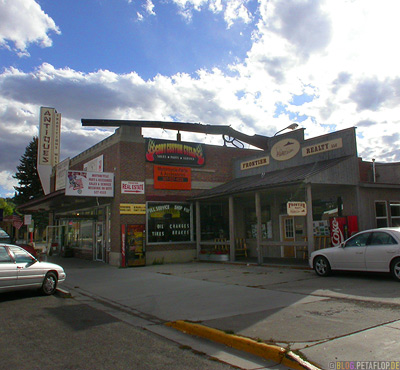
(20, 270)
(376, 250)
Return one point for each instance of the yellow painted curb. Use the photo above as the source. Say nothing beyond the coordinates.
(267, 351)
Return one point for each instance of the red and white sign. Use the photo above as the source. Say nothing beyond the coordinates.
(168, 177)
(132, 187)
(296, 208)
(95, 165)
(90, 184)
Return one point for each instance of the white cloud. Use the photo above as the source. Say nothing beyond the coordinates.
(7, 182)
(149, 7)
(348, 76)
(23, 22)
(233, 10)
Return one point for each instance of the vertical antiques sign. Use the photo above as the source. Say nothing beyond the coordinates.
(49, 137)
(48, 144)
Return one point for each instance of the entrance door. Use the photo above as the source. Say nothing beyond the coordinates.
(135, 247)
(287, 229)
(99, 241)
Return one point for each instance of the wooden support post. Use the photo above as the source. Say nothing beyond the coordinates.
(310, 226)
(231, 229)
(198, 230)
(259, 233)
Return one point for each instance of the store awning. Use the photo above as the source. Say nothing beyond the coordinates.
(285, 177)
(58, 201)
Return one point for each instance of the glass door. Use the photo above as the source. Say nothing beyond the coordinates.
(99, 242)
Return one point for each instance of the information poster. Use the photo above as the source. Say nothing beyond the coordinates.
(90, 184)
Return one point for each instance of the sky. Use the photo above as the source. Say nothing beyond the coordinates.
(255, 65)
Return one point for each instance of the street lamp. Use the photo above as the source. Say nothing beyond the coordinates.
(293, 126)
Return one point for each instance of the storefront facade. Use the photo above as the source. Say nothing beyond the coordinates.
(148, 218)
(161, 201)
(303, 195)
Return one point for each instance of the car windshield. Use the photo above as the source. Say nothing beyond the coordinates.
(359, 240)
(4, 256)
(3, 234)
(22, 256)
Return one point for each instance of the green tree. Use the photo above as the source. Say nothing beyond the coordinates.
(28, 179)
(29, 185)
(7, 205)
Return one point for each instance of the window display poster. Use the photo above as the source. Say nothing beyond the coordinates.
(169, 222)
(90, 184)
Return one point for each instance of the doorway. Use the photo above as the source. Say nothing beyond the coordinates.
(99, 241)
(287, 235)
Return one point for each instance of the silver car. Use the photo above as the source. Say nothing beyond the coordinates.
(19, 270)
(376, 250)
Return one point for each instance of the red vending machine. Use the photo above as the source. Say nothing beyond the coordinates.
(342, 228)
(133, 245)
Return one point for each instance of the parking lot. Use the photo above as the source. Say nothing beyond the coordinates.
(341, 317)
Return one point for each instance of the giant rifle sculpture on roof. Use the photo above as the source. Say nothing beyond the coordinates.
(229, 135)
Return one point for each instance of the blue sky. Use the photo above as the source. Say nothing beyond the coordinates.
(257, 65)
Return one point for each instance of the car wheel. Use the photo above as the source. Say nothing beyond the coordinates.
(49, 285)
(322, 266)
(395, 268)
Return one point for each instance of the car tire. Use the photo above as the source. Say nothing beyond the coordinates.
(395, 268)
(322, 266)
(49, 285)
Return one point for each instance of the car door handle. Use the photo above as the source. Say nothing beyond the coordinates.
(359, 252)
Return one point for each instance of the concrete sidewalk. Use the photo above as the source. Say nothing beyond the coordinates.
(250, 301)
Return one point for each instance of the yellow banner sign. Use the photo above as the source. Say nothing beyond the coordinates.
(322, 147)
(132, 209)
(258, 162)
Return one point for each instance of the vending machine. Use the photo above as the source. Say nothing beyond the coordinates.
(133, 245)
(342, 228)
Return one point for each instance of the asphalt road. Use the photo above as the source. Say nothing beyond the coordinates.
(38, 332)
(345, 317)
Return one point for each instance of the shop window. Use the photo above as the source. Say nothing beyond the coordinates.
(214, 221)
(325, 209)
(289, 229)
(169, 222)
(381, 214)
(395, 213)
(251, 222)
(86, 239)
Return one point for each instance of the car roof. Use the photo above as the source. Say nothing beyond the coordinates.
(397, 229)
(3, 232)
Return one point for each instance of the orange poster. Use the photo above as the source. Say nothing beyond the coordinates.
(168, 177)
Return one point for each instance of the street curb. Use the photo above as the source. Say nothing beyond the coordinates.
(63, 293)
(267, 351)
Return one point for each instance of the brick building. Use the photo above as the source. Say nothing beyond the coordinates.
(174, 201)
(143, 212)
